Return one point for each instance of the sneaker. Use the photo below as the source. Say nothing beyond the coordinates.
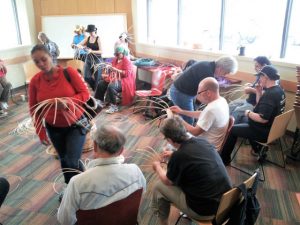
(112, 109)
(3, 113)
(4, 105)
(100, 103)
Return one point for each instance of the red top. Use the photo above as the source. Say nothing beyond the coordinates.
(127, 79)
(41, 88)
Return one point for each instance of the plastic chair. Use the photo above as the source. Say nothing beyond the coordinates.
(228, 200)
(123, 212)
(277, 131)
(30, 69)
(76, 64)
(157, 87)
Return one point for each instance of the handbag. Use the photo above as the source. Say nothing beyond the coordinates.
(91, 108)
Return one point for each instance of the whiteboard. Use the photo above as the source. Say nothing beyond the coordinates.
(60, 29)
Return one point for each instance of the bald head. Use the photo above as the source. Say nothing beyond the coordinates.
(210, 84)
(109, 139)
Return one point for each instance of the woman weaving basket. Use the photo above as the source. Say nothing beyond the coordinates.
(120, 79)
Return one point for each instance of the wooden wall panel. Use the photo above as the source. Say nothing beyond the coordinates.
(50, 7)
(86, 7)
(104, 6)
(67, 7)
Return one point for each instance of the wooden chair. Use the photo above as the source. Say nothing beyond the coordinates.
(228, 200)
(76, 64)
(230, 125)
(277, 131)
(123, 212)
(30, 69)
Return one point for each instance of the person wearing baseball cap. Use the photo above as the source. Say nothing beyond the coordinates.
(270, 103)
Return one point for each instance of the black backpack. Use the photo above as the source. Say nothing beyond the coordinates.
(246, 211)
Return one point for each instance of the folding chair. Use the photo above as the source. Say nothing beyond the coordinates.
(30, 69)
(277, 131)
(228, 200)
(123, 212)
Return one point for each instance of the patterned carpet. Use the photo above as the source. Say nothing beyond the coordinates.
(32, 172)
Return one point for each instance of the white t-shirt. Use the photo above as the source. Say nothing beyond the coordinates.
(214, 121)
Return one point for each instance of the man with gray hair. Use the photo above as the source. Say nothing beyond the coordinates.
(184, 90)
(195, 179)
(213, 121)
(108, 179)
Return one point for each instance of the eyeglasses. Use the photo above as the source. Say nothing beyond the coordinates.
(199, 93)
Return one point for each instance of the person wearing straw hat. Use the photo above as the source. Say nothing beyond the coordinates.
(270, 103)
(79, 37)
(92, 45)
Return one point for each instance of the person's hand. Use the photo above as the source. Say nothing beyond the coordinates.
(249, 90)
(175, 109)
(166, 154)
(43, 137)
(156, 165)
(258, 89)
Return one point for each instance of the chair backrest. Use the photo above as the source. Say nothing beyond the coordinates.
(158, 80)
(30, 69)
(76, 64)
(279, 125)
(233, 196)
(123, 212)
(229, 127)
(228, 200)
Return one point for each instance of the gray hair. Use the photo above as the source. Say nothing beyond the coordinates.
(228, 64)
(174, 129)
(109, 139)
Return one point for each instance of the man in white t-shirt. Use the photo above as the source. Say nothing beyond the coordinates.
(213, 120)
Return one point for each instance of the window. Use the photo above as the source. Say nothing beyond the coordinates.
(260, 26)
(200, 24)
(293, 43)
(8, 25)
(163, 22)
(255, 24)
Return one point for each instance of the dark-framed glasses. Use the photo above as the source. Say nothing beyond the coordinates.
(199, 93)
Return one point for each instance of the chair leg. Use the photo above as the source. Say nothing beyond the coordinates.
(250, 173)
(282, 156)
(179, 218)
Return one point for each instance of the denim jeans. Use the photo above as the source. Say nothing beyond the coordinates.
(237, 109)
(91, 76)
(68, 142)
(184, 101)
(111, 90)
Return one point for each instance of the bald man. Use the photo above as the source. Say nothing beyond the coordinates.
(213, 120)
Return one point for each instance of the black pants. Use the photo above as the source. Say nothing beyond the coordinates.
(242, 130)
(111, 90)
(4, 188)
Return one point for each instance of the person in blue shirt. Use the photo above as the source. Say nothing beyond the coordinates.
(79, 37)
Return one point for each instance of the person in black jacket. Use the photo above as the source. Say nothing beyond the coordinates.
(184, 90)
